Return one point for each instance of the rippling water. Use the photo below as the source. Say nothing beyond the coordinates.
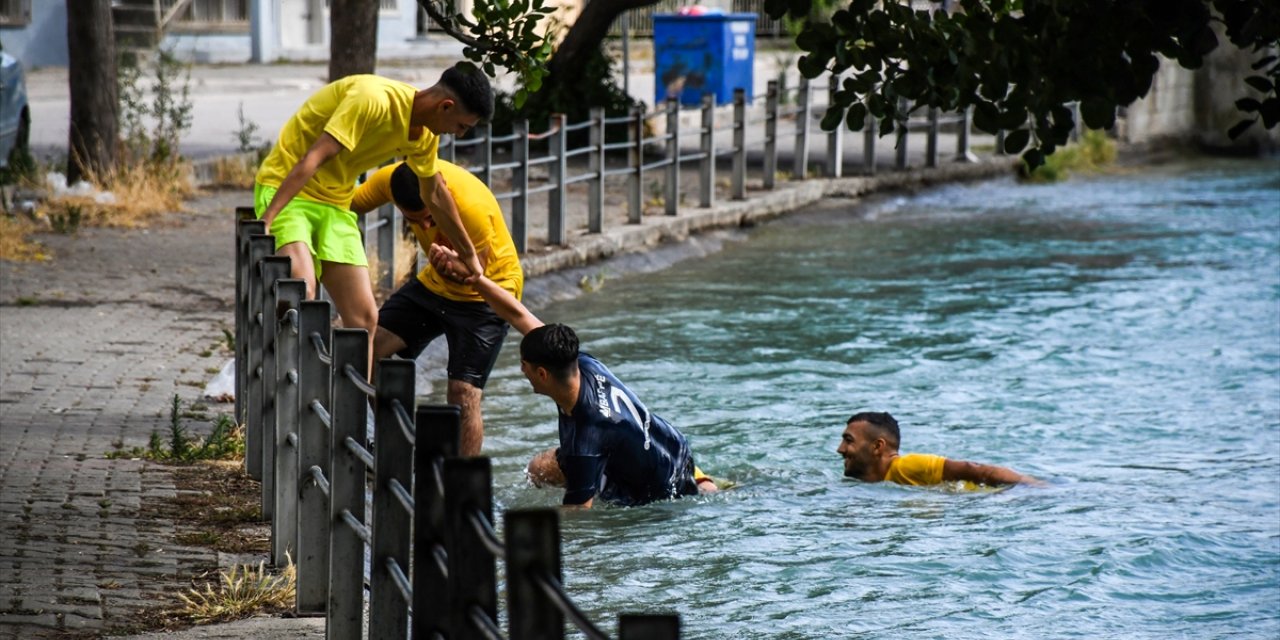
(1117, 336)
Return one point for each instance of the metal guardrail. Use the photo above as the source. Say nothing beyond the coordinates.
(664, 154)
(303, 400)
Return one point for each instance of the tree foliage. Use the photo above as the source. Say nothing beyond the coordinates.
(1020, 63)
(499, 34)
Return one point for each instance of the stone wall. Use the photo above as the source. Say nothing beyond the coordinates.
(1198, 106)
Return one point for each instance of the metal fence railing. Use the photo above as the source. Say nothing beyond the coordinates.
(749, 125)
(427, 530)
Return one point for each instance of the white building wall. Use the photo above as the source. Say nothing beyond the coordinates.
(42, 42)
(1168, 110)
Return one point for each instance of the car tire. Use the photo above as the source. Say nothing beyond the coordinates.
(21, 142)
(19, 160)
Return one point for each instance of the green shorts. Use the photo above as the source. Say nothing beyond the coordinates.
(330, 232)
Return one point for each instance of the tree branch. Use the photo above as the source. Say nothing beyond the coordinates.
(446, 24)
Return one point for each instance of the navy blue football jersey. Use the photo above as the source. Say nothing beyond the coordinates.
(614, 447)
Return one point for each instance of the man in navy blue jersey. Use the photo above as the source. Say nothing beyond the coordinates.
(611, 445)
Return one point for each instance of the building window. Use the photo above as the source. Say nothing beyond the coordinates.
(15, 12)
(384, 6)
(212, 12)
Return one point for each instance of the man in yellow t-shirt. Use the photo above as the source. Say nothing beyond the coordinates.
(869, 447)
(431, 305)
(304, 187)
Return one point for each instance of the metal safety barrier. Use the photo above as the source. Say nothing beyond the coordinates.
(397, 504)
(643, 155)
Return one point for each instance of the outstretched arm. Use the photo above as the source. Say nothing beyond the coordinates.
(504, 304)
(988, 474)
(444, 211)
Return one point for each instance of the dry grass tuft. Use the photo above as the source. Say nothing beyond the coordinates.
(243, 591)
(16, 244)
(234, 172)
(142, 193)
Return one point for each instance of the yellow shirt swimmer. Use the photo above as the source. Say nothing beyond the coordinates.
(481, 217)
(869, 447)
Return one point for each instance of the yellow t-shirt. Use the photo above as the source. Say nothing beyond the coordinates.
(916, 469)
(369, 116)
(481, 217)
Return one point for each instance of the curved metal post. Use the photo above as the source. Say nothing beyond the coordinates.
(388, 612)
(472, 583)
(270, 269)
(557, 226)
(346, 549)
(520, 185)
(738, 187)
(314, 385)
(439, 428)
(533, 548)
(771, 135)
(835, 137)
(671, 195)
(707, 167)
(284, 520)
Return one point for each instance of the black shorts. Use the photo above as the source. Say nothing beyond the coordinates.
(474, 332)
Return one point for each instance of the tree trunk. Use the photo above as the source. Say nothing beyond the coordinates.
(586, 35)
(353, 42)
(95, 111)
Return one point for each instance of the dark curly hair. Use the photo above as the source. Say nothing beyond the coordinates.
(471, 86)
(405, 189)
(553, 347)
(882, 423)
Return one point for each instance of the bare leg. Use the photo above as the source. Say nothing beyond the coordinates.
(352, 294)
(386, 344)
(467, 396)
(300, 265)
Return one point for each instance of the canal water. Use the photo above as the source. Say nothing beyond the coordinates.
(1116, 336)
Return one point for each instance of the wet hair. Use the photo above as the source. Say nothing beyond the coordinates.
(405, 189)
(472, 88)
(882, 422)
(553, 347)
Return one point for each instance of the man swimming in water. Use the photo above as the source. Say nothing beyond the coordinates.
(869, 447)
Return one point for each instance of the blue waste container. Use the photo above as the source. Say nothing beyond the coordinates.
(699, 54)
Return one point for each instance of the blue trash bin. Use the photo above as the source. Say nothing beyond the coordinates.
(699, 54)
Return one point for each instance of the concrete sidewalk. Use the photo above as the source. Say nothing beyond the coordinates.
(95, 344)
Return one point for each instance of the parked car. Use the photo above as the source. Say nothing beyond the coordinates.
(15, 116)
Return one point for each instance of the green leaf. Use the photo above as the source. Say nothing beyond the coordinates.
(1016, 140)
(1098, 113)
(832, 118)
(1033, 158)
(1264, 62)
(857, 117)
(985, 116)
(1270, 112)
(1260, 83)
(1012, 117)
(1248, 104)
(1240, 128)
